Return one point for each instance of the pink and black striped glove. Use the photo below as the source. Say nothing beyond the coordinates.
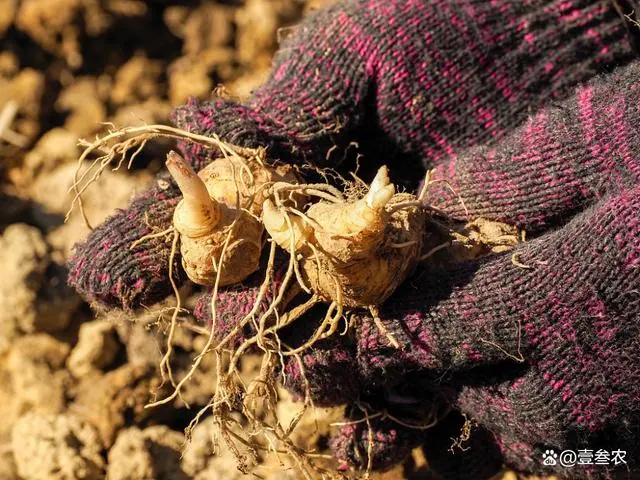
(541, 352)
(410, 82)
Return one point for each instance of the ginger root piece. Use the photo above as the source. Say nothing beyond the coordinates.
(227, 194)
(355, 253)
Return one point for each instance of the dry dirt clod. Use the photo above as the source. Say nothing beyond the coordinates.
(201, 463)
(32, 379)
(309, 430)
(97, 347)
(56, 447)
(8, 469)
(202, 385)
(143, 347)
(25, 87)
(205, 27)
(33, 292)
(9, 410)
(112, 190)
(152, 453)
(60, 30)
(24, 256)
(129, 458)
(258, 25)
(9, 61)
(110, 401)
(26, 248)
(199, 451)
(188, 79)
(7, 13)
(39, 382)
(53, 29)
(140, 343)
(83, 102)
(148, 112)
(207, 32)
(137, 80)
(54, 148)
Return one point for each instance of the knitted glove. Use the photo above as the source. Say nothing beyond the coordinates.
(562, 335)
(390, 442)
(106, 269)
(559, 324)
(426, 79)
(570, 319)
(448, 455)
(422, 78)
(559, 162)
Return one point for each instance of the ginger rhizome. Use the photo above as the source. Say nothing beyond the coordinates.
(354, 253)
(226, 195)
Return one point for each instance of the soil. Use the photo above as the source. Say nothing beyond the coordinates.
(74, 383)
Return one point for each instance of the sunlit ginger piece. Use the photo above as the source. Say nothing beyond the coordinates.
(355, 253)
(227, 194)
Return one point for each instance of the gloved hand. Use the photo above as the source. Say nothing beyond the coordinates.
(541, 350)
(542, 355)
(409, 82)
(425, 80)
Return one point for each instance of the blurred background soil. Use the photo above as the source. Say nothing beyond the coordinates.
(73, 383)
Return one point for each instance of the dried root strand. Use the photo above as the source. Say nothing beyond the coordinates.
(209, 343)
(118, 143)
(165, 363)
(383, 330)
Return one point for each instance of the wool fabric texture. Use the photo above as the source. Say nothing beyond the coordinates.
(423, 78)
(561, 321)
(105, 269)
(571, 316)
(390, 442)
(559, 162)
(328, 373)
(565, 311)
(235, 303)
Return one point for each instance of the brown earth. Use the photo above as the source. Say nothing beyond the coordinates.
(73, 383)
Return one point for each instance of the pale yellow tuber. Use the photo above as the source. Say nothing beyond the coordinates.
(355, 253)
(227, 194)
